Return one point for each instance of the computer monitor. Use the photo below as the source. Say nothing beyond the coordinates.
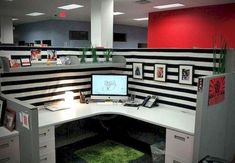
(109, 87)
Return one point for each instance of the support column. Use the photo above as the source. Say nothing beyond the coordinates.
(6, 27)
(102, 23)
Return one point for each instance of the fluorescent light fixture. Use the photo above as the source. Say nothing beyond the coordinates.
(141, 19)
(169, 6)
(118, 13)
(14, 19)
(35, 14)
(70, 7)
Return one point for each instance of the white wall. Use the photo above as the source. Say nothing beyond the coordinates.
(58, 32)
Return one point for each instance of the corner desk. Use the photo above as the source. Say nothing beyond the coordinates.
(179, 124)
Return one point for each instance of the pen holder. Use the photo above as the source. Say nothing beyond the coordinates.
(82, 98)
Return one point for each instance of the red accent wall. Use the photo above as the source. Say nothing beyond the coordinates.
(192, 28)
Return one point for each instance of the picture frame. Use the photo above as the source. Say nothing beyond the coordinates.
(25, 62)
(9, 119)
(186, 73)
(14, 63)
(160, 72)
(137, 70)
(2, 110)
(36, 54)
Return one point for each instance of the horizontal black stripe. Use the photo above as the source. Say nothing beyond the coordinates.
(20, 48)
(163, 87)
(163, 94)
(175, 58)
(44, 80)
(24, 90)
(54, 71)
(50, 94)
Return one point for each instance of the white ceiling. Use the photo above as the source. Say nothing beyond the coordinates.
(18, 9)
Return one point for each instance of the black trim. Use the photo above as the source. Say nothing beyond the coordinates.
(22, 90)
(23, 48)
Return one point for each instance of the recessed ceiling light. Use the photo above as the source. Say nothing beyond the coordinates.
(35, 14)
(118, 13)
(14, 19)
(70, 7)
(169, 6)
(141, 19)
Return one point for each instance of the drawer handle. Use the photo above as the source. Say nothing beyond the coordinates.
(2, 146)
(174, 161)
(4, 160)
(179, 138)
(43, 147)
(43, 159)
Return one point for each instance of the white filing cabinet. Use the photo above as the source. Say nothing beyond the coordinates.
(9, 146)
(179, 147)
(47, 144)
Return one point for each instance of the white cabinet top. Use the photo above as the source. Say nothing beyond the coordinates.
(172, 118)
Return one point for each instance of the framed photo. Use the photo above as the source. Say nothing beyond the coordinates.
(137, 70)
(2, 110)
(25, 62)
(9, 119)
(36, 54)
(160, 72)
(186, 73)
(15, 63)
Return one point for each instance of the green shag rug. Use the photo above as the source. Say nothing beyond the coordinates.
(108, 152)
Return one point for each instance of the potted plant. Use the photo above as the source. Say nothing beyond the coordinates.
(108, 54)
(83, 56)
(94, 55)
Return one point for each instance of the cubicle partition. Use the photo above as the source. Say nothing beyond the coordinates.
(39, 86)
(30, 88)
(215, 122)
(28, 135)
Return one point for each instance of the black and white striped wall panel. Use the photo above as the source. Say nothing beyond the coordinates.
(170, 93)
(38, 88)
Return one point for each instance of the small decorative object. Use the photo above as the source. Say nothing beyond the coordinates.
(83, 56)
(160, 72)
(9, 119)
(137, 70)
(2, 110)
(51, 55)
(15, 63)
(65, 60)
(94, 55)
(186, 74)
(25, 62)
(107, 55)
(36, 54)
(82, 98)
(223, 51)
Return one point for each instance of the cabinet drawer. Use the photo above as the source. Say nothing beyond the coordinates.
(179, 145)
(46, 133)
(8, 146)
(172, 159)
(46, 146)
(48, 158)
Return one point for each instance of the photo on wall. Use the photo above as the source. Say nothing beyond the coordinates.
(137, 70)
(160, 72)
(186, 73)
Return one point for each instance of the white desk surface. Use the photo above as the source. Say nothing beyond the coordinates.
(171, 118)
(5, 133)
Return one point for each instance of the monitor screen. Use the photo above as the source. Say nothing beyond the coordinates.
(109, 86)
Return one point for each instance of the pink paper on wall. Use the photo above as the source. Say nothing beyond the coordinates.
(216, 90)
